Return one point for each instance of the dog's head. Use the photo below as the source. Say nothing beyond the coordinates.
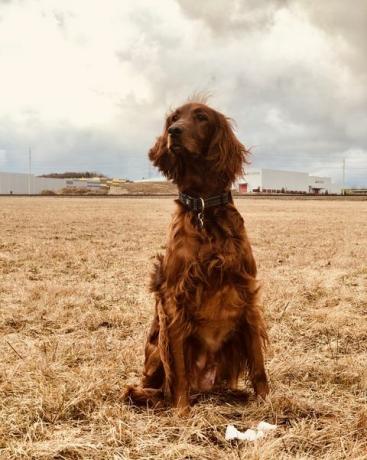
(198, 149)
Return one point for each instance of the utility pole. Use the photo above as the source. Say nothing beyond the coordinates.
(29, 169)
(343, 192)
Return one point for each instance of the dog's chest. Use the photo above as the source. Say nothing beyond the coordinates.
(216, 317)
(199, 272)
(199, 257)
(214, 333)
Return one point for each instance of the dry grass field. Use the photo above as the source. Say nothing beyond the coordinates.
(75, 311)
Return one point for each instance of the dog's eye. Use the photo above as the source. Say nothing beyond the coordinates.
(201, 117)
(174, 118)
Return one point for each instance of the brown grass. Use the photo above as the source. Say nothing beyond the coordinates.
(75, 310)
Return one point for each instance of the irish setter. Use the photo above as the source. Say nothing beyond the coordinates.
(208, 327)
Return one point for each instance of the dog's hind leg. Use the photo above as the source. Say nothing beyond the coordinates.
(153, 374)
(255, 338)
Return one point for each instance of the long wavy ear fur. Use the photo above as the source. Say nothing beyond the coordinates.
(227, 152)
(157, 154)
(161, 157)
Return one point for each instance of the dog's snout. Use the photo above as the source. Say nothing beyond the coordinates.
(174, 130)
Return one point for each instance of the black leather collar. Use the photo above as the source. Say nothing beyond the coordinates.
(199, 204)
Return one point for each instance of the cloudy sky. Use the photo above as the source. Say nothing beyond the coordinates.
(86, 83)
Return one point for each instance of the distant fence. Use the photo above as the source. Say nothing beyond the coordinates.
(356, 191)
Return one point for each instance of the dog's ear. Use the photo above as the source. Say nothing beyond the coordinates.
(157, 151)
(226, 151)
(161, 157)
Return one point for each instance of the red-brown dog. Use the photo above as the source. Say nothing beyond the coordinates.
(208, 328)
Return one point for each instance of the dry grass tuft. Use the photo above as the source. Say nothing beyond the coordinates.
(75, 310)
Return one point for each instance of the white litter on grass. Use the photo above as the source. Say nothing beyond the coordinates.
(249, 435)
(265, 426)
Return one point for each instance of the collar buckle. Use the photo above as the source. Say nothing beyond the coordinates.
(201, 213)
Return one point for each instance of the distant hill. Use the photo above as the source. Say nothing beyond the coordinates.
(74, 175)
(159, 187)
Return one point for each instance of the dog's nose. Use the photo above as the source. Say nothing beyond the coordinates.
(174, 130)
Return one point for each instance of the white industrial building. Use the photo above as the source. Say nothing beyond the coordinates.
(24, 184)
(276, 181)
(29, 184)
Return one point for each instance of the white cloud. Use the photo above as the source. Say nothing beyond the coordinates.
(69, 73)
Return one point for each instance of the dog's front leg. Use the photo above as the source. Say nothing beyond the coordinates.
(171, 348)
(179, 384)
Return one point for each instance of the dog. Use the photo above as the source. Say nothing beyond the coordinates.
(208, 329)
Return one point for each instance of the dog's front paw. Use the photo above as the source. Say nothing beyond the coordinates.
(183, 411)
(261, 388)
(181, 404)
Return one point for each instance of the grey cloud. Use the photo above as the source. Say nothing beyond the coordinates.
(64, 147)
(60, 19)
(295, 115)
(345, 21)
(309, 129)
(231, 17)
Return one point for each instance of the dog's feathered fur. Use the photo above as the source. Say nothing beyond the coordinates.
(208, 328)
